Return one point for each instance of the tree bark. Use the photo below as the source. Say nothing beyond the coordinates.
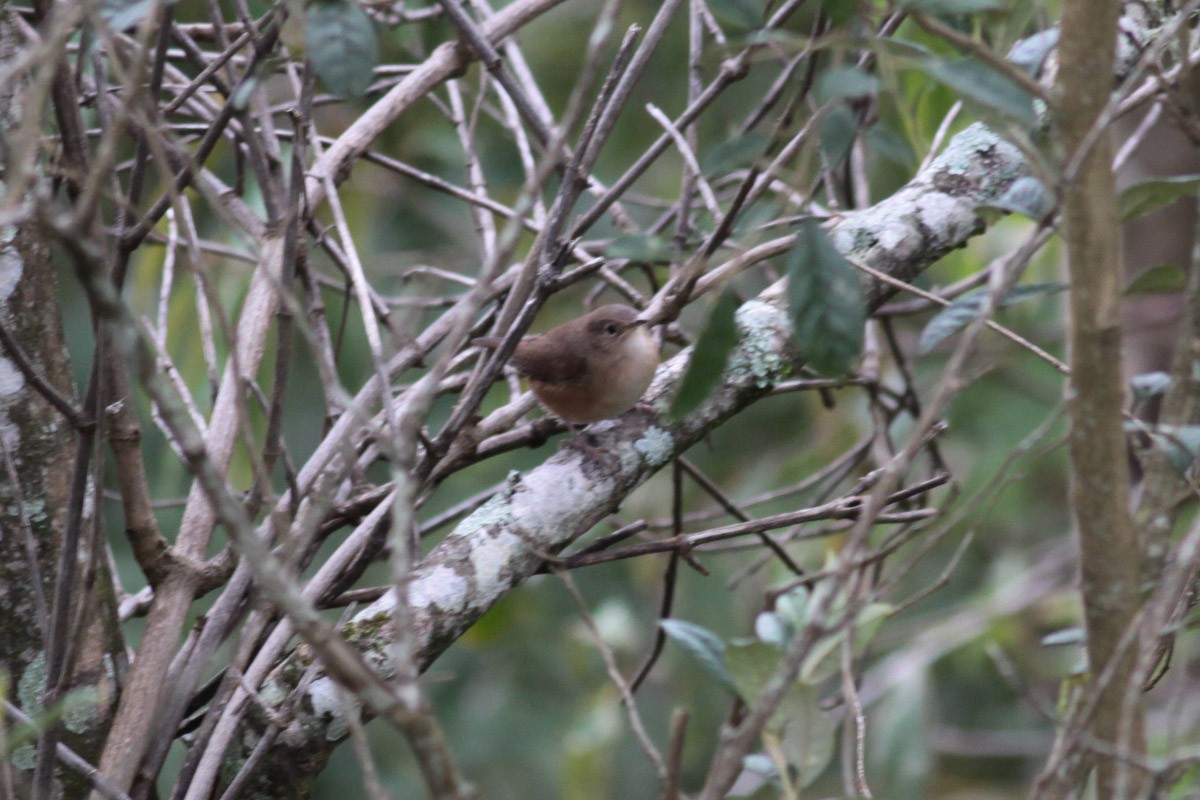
(1108, 547)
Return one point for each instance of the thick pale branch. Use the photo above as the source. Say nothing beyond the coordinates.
(497, 547)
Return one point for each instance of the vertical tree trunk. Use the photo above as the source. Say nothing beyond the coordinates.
(37, 456)
(1109, 554)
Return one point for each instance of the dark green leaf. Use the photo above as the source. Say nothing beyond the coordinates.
(1147, 196)
(886, 143)
(951, 6)
(241, 95)
(959, 313)
(760, 213)
(1163, 279)
(702, 645)
(769, 627)
(845, 83)
(837, 129)
(736, 153)
(751, 664)
(793, 607)
(709, 356)
(640, 247)
(808, 734)
(121, 15)
(1025, 196)
(839, 13)
(1063, 637)
(902, 51)
(977, 82)
(340, 41)
(759, 779)
(825, 658)
(898, 744)
(825, 301)
(1150, 384)
(739, 14)
(1031, 52)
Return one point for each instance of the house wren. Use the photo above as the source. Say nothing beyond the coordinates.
(591, 368)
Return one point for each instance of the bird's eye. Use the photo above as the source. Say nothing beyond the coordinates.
(610, 329)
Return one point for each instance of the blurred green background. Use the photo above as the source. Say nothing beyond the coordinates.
(524, 696)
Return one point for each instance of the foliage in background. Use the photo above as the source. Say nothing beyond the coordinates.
(860, 529)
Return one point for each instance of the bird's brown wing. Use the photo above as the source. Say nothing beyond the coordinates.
(545, 362)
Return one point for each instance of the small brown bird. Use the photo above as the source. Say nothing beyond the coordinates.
(591, 368)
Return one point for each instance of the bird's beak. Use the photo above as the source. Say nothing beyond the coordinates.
(638, 322)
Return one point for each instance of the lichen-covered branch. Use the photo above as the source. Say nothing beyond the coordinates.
(501, 545)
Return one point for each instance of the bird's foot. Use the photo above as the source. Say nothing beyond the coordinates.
(646, 408)
(582, 442)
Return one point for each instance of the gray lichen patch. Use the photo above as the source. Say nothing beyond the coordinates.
(963, 154)
(12, 380)
(329, 706)
(24, 757)
(372, 634)
(31, 685)
(272, 692)
(82, 713)
(492, 557)
(495, 513)
(551, 499)
(440, 589)
(761, 359)
(948, 218)
(984, 162)
(12, 266)
(656, 446)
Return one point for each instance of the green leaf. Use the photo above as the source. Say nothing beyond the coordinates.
(759, 214)
(739, 14)
(709, 356)
(121, 15)
(1025, 196)
(975, 81)
(642, 247)
(1150, 384)
(898, 741)
(958, 314)
(1147, 196)
(825, 301)
(840, 14)
(772, 629)
(1030, 53)
(809, 733)
(1163, 279)
(836, 129)
(241, 95)
(340, 41)
(751, 664)
(901, 51)
(793, 607)
(1075, 635)
(759, 780)
(887, 144)
(736, 153)
(845, 83)
(952, 6)
(825, 658)
(704, 646)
